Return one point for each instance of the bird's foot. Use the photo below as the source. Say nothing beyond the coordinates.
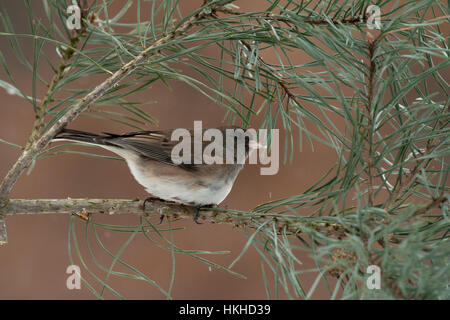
(196, 215)
(197, 212)
(161, 218)
(150, 199)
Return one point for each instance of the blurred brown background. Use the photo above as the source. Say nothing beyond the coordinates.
(34, 262)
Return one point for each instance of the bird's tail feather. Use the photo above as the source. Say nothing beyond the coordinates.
(80, 136)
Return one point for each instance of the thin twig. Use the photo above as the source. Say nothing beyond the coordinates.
(433, 204)
(61, 71)
(3, 234)
(370, 123)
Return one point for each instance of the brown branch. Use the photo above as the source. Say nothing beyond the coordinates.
(350, 20)
(288, 224)
(3, 234)
(433, 204)
(370, 124)
(83, 104)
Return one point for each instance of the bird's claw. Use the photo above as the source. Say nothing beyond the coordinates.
(197, 215)
(197, 212)
(161, 218)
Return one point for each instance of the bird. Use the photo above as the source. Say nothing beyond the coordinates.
(150, 158)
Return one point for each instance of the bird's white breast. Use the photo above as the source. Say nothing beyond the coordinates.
(179, 192)
(173, 189)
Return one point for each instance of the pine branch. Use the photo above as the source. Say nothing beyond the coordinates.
(288, 224)
(61, 71)
(370, 123)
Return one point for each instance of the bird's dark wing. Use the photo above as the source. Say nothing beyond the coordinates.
(155, 145)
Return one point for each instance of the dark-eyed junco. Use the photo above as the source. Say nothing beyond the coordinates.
(153, 163)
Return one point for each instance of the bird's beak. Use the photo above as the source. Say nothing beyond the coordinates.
(256, 145)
